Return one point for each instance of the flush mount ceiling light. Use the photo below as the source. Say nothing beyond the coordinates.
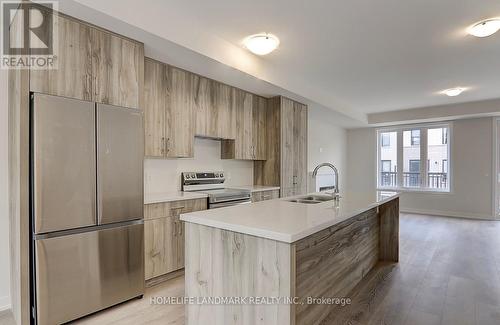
(452, 92)
(485, 28)
(261, 44)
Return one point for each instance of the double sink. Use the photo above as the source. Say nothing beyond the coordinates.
(312, 199)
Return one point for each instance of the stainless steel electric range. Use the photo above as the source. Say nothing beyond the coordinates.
(212, 183)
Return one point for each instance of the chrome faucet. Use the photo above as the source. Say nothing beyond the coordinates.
(335, 171)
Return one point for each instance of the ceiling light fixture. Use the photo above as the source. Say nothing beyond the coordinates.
(261, 44)
(452, 92)
(485, 28)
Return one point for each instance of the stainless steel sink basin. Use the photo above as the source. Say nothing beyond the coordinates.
(312, 199)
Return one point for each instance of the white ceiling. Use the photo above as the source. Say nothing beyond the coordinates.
(356, 57)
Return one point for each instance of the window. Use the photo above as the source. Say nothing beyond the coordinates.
(423, 154)
(388, 159)
(386, 166)
(415, 137)
(386, 140)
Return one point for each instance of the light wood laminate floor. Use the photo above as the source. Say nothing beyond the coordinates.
(449, 274)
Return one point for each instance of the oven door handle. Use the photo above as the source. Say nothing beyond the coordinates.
(228, 203)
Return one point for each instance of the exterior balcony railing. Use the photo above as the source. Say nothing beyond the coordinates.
(413, 179)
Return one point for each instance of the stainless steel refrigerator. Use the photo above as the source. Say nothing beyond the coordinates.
(87, 207)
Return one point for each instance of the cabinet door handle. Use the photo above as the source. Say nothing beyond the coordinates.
(167, 145)
(178, 208)
(180, 228)
(163, 145)
(95, 87)
(174, 230)
(294, 180)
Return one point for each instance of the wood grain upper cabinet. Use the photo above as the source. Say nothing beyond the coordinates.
(73, 76)
(215, 114)
(154, 108)
(223, 118)
(93, 65)
(117, 67)
(179, 113)
(259, 125)
(250, 140)
(169, 119)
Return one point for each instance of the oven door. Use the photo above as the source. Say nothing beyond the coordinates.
(228, 203)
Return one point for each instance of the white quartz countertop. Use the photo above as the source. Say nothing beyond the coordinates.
(173, 196)
(286, 221)
(255, 188)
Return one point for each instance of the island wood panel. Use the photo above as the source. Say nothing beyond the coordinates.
(333, 261)
(389, 231)
(268, 172)
(221, 263)
(154, 108)
(118, 70)
(73, 76)
(18, 106)
(180, 114)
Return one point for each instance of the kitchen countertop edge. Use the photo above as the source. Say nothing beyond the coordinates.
(279, 236)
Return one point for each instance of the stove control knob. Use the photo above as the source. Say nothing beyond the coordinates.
(221, 175)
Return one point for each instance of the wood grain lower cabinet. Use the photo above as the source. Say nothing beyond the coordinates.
(265, 195)
(164, 235)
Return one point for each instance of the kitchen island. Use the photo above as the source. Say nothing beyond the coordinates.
(276, 250)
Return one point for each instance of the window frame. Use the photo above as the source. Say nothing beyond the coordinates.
(424, 165)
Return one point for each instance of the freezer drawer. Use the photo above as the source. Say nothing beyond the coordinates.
(64, 163)
(82, 273)
(120, 156)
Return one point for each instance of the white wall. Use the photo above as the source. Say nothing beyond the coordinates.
(164, 175)
(326, 143)
(4, 195)
(472, 163)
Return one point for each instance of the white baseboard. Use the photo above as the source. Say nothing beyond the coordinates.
(4, 304)
(448, 214)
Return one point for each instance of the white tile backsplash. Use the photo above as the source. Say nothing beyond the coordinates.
(164, 175)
